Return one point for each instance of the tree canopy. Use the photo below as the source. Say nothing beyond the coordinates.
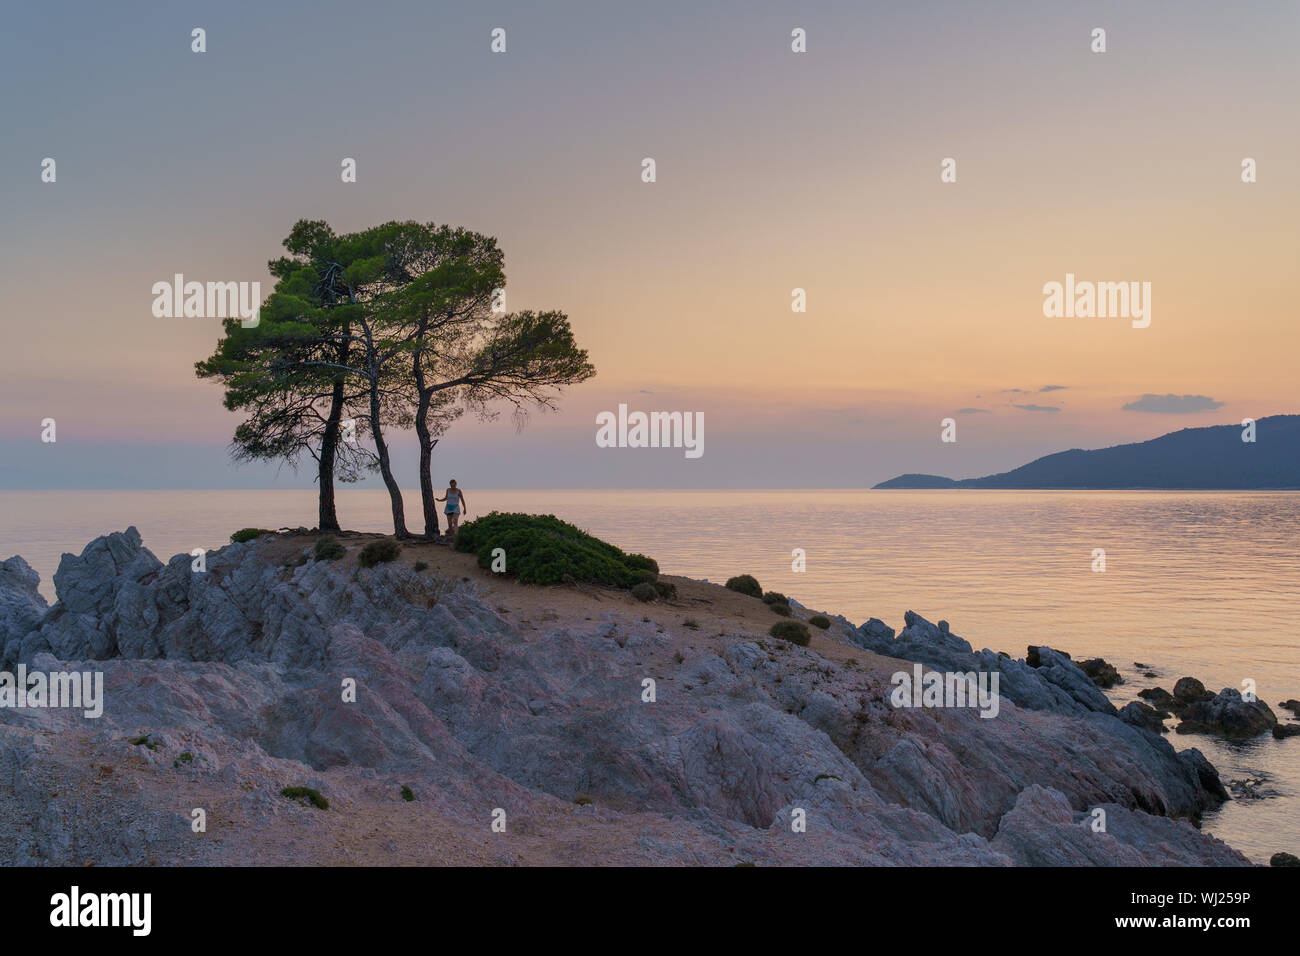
(396, 326)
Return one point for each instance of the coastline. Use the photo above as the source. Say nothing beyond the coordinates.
(476, 690)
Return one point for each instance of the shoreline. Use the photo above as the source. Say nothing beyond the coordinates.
(473, 694)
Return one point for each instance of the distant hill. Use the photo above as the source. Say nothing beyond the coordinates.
(1213, 458)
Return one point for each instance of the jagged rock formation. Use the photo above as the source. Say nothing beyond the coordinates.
(1226, 714)
(224, 686)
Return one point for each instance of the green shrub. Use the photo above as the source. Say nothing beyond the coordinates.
(642, 563)
(542, 549)
(379, 552)
(407, 793)
(582, 800)
(820, 620)
(666, 590)
(745, 584)
(421, 565)
(184, 758)
(775, 597)
(248, 534)
(645, 591)
(306, 793)
(782, 609)
(143, 741)
(796, 632)
(328, 548)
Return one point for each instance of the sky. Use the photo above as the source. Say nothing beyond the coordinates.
(775, 171)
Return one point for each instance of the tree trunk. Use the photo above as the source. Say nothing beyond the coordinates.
(429, 506)
(426, 478)
(385, 466)
(328, 519)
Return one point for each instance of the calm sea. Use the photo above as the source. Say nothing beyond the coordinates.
(1203, 584)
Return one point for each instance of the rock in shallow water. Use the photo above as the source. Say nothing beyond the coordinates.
(1189, 690)
(1227, 715)
(1102, 673)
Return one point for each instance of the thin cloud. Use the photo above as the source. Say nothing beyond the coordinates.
(1173, 404)
(1053, 388)
(973, 411)
(1037, 408)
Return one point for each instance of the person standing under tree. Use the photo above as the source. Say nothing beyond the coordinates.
(455, 499)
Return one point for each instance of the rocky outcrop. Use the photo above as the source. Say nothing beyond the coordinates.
(1043, 830)
(84, 624)
(21, 605)
(1205, 772)
(1044, 680)
(1102, 673)
(233, 682)
(874, 631)
(1161, 699)
(1227, 715)
(1188, 690)
(1143, 715)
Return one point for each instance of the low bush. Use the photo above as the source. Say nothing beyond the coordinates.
(306, 793)
(665, 590)
(796, 632)
(775, 597)
(248, 534)
(820, 620)
(782, 609)
(421, 565)
(642, 563)
(645, 591)
(745, 584)
(328, 548)
(379, 552)
(407, 793)
(542, 549)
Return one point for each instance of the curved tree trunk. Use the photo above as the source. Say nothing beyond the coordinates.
(386, 468)
(374, 364)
